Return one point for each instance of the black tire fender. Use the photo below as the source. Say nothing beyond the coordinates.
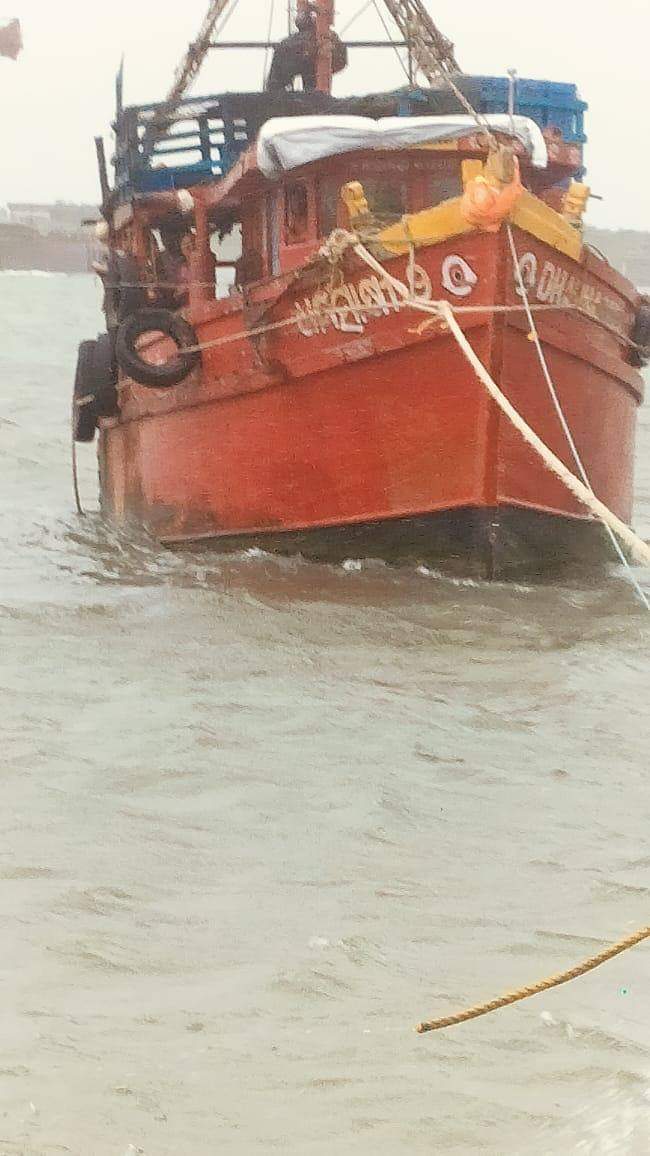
(95, 386)
(156, 321)
(104, 376)
(84, 421)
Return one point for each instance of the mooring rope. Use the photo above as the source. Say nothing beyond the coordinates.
(523, 993)
(443, 310)
(576, 486)
(343, 311)
(521, 285)
(346, 310)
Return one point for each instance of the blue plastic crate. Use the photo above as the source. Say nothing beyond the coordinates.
(201, 142)
(549, 103)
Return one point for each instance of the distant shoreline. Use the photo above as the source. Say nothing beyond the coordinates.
(51, 238)
(25, 249)
(628, 250)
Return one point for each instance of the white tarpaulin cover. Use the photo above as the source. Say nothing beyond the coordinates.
(289, 142)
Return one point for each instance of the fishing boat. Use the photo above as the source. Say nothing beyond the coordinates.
(299, 290)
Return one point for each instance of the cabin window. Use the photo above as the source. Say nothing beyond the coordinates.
(171, 251)
(329, 195)
(386, 198)
(444, 186)
(226, 246)
(296, 214)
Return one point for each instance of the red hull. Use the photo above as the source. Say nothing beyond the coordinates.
(374, 421)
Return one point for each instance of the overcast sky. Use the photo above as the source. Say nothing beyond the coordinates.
(60, 92)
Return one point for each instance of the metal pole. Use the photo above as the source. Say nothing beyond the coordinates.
(324, 22)
(512, 97)
(262, 44)
(103, 170)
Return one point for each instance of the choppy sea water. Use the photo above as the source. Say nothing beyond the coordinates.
(259, 817)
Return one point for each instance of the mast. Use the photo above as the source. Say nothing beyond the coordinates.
(432, 52)
(324, 22)
(323, 10)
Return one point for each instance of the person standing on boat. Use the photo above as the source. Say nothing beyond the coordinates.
(174, 262)
(298, 54)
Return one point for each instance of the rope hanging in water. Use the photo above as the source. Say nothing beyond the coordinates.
(484, 1009)
(75, 465)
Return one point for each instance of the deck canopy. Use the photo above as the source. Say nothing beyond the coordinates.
(289, 142)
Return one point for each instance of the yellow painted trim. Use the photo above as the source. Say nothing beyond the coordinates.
(426, 228)
(445, 221)
(440, 146)
(471, 169)
(541, 221)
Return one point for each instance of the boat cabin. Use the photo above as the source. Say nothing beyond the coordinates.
(251, 183)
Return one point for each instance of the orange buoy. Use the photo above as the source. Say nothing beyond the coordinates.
(488, 201)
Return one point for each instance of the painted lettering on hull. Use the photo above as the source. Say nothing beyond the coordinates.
(349, 307)
(552, 284)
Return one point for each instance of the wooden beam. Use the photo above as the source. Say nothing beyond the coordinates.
(265, 44)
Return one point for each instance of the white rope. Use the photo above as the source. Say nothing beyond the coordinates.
(636, 545)
(560, 412)
(576, 486)
(340, 311)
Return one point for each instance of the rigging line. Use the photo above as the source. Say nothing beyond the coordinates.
(560, 412)
(479, 117)
(361, 11)
(265, 73)
(226, 18)
(431, 63)
(390, 39)
(188, 70)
